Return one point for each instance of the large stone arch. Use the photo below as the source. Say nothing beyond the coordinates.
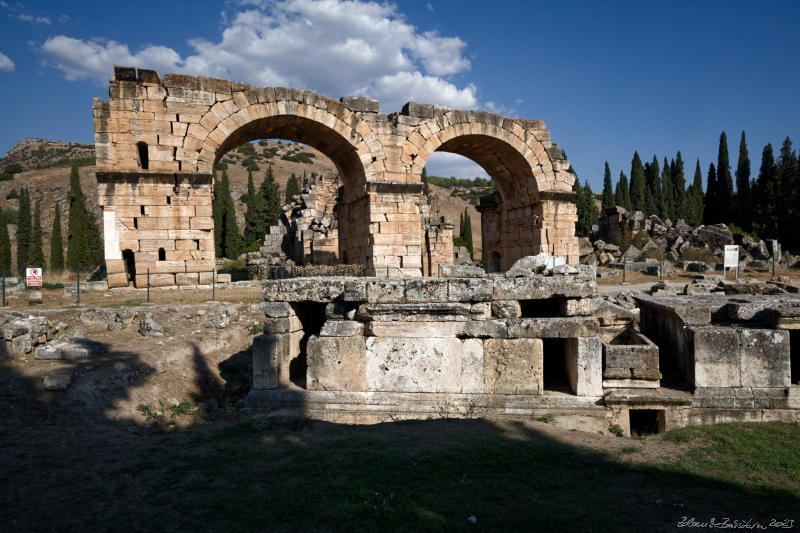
(532, 211)
(308, 118)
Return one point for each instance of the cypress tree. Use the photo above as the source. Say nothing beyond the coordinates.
(77, 232)
(425, 186)
(270, 198)
(5, 245)
(788, 208)
(768, 193)
(652, 193)
(23, 231)
(56, 248)
(252, 225)
(637, 187)
(231, 238)
(623, 194)
(467, 235)
(94, 240)
(667, 191)
(697, 200)
(679, 186)
(712, 212)
(744, 206)
(216, 214)
(35, 253)
(724, 182)
(292, 187)
(608, 193)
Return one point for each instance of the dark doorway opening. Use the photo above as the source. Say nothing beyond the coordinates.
(555, 376)
(312, 317)
(794, 355)
(646, 421)
(547, 307)
(495, 262)
(144, 159)
(130, 264)
(162, 254)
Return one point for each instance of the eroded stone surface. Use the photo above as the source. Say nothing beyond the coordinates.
(414, 364)
(513, 366)
(336, 363)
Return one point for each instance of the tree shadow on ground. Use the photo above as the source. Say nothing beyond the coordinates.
(64, 469)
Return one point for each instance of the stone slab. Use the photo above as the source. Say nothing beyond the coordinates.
(336, 363)
(414, 364)
(513, 366)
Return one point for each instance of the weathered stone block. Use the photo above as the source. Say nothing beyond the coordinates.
(414, 365)
(420, 312)
(469, 290)
(472, 367)
(336, 363)
(765, 358)
(513, 366)
(272, 355)
(426, 290)
(545, 328)
(585, 365)
(716, 356)
(342, 328)
(506, 309)
(273, 326)
(385, 290)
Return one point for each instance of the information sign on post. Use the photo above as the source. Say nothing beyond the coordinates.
(731, 258)
(33, 277)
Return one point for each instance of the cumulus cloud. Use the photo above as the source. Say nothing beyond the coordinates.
(6, 65)
(445, 164)
(337, 47)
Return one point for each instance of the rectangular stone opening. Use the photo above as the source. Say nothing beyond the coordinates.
(794, 355)
(646, 421)
(543, 308)
(312, 317)
(555, 367)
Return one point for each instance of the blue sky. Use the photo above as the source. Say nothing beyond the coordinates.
(607, 78)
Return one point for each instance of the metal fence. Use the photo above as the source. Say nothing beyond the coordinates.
(77, 288)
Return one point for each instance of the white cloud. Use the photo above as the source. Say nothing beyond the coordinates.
(6, 65)
(336, 47)
(446, 164)
(20, 12)
(429, 6)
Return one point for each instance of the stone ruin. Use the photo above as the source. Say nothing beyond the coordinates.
(533, 342)
(157, 140)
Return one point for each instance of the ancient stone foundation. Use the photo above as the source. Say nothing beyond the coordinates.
(375, 349)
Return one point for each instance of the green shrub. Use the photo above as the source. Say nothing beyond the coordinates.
(615, 430)
(13, 168)
(5, 176)
(221, 166)
(459, 241)
(246, 149)
(12, 195)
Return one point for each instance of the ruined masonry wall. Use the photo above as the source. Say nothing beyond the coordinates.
(182, 125)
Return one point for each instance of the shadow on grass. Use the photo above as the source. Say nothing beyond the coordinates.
(62, 471)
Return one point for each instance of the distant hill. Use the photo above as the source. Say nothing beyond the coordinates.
(32, 153)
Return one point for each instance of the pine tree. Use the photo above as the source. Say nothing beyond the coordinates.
(23, 231)
(77, 232)
(724, 183)
(35, 253)
(712, 212)
(56, 248)
(231, 238)
(768, 191)
(292, 187)
(608, 193)
(637, 184)
(744, 206)
(679, 186)
(5, 245)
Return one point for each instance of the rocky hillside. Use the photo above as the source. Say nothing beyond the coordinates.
(32, 153)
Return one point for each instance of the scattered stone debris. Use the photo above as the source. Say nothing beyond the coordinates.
(69, 348)
(149, 327)
(58, 382)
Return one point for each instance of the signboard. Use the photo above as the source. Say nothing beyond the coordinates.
(731, 256)
(553, 262)
(33, 277)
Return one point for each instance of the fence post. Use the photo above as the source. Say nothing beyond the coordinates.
(148, 285)
(773, 263)
(213, 283)
(4, 288)
(624, 268)
(78, 283)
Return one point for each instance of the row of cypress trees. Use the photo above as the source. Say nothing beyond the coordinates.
(263, 209)
(465, 230)
(768, 205)
(84, 244)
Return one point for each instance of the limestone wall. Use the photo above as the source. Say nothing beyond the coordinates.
(181, 125)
